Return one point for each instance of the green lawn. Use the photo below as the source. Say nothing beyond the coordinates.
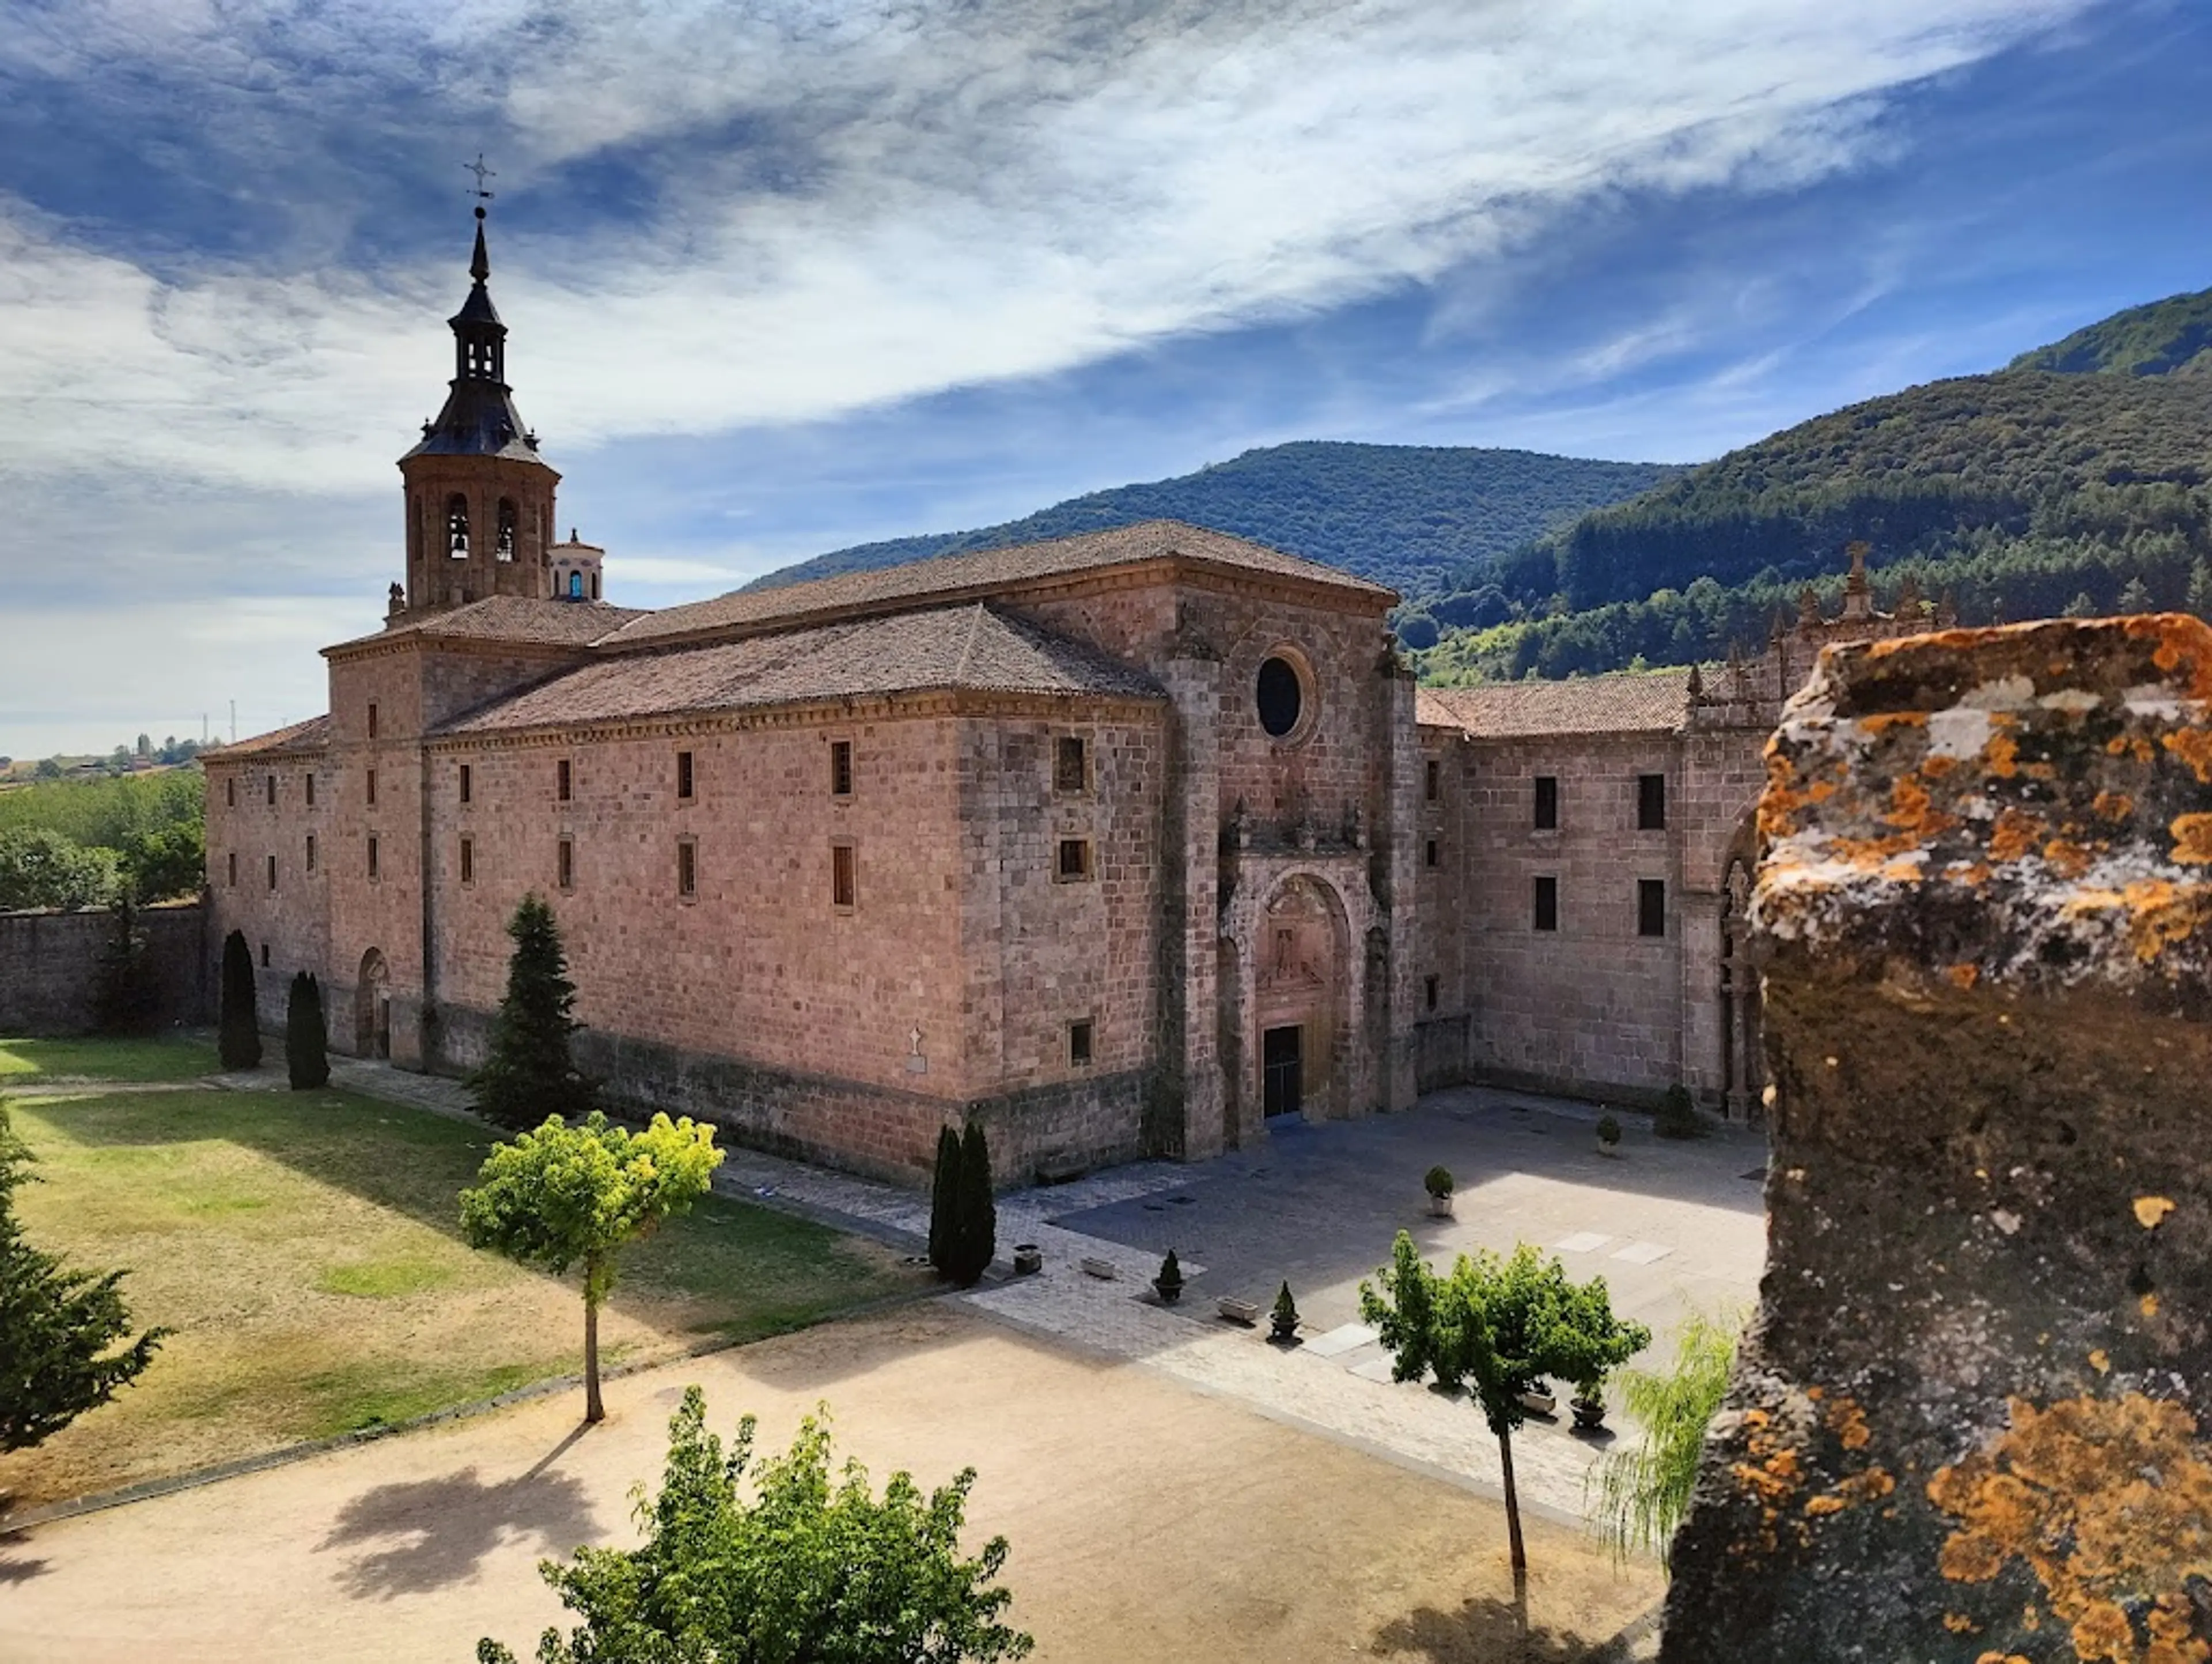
(306, 1249)
(24, 1064)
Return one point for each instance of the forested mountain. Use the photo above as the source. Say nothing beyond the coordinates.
(1412, 516)
(2075, 481)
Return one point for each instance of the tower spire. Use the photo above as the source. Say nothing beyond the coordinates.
(480, 265)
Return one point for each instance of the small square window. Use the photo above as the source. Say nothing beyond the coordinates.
(468, 861)
(1547, 802)
(1078, 1043)
(265, 956)
(310, 784)
(1650, 907)
(1432, 855)
(1548, 903)
(372, 855)
(272, 791)
(370, 781)
(1070, 767)
(468, 784)
(1435, 781)
(841, 768)
(234, 869)
(311, 852)
(272, 872)
(1652, 802)
(843, 876)
(564, 781)
(686, 868)
(1430, 987)
(683, 776)
(230, 794)
(1074, 862)
(372, 719)
(564, 864)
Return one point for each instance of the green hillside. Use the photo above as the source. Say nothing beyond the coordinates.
(2076, 481)
(1414, 517)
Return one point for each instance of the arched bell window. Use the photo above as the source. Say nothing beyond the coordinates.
(457, 526)
(505, 547)
(575, 586)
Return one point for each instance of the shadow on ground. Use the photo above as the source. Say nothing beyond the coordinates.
(434, 1532)
(12, 1570)
(1489, 1631)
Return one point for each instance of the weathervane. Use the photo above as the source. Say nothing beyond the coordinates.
(482, 174)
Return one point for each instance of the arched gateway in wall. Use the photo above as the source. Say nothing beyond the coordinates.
(372, 1008)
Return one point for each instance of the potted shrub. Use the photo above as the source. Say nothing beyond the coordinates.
(1169, 1282)
(1589, 1405)
(1438, 1183)
(1608, 1133)
(1283, 1322)
(1677, 1116)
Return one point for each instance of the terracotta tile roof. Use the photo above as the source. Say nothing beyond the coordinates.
(513, 618)
(981, 572)
(313, 734)
(1632, 702)
(959, 647)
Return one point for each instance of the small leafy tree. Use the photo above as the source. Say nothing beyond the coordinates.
(529, 1073)
(944, 1200)
(1643, 1494)
(57, 1328)
(306, 1045)
(975, 1212)
(814, 1569)
(238, 1037)
(576, 1196)
(1500, 1326)
(1677, 1117)
(130, 999)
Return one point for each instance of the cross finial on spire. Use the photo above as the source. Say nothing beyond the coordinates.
(482, 174)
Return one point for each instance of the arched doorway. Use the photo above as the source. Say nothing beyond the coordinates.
(1298, 983)
(372, 1008)
(1743, 1064)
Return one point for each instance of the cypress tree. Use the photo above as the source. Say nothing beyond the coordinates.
(306, 1047)
(944, 1200)
(529, 1074)
(975, 1216)
(238, 1037)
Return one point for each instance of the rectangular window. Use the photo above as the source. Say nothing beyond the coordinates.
(234, 869)
(683, 776)
(841, 768)
(1430, 985)
(370, 780)
(1432, 853)
(564, 781)
(1652, 802)
(686, 868)
(843, 876)
(1547, 802)
(468, 861)
(272, 872)
(1074, 862)
(1078, 1043)
(230, 794)
(372, 719)
(1650, 907)
(1436, 781)
(1070, 768)
(372, 855)
(564, 864)
(272, 791)
(311, 791)
(468, 784)
(1548, 904)
(311, 852)
(265, 956)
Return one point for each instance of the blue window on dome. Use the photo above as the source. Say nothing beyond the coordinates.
(575, 586)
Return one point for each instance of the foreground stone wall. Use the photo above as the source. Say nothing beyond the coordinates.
(1970, 1421)
(50, 968)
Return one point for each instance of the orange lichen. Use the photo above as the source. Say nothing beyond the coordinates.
(1849, 1423)
(1959, 1623)
(2193, 839)
(2013, 836)
(1965, 976)
(2067, 860)
(2130, 745)
(1936, 767)
(2106, 1501)
(2113, 805)
(1883, 720)
(2100, 1360)
(1818, 1506)
(1912, 810)
(2194, 746)
(2181, 640)
(2002, 753)
(2151, 1210)
(2147, 1305)
(2162, 914)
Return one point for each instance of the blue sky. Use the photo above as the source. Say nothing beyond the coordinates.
(784, 275)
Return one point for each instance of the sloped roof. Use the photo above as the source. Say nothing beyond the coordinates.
(972, 647)
(1632, 702)
(512, 618)
(981, 572)
(313, 734)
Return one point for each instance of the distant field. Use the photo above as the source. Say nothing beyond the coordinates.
(306, 1249)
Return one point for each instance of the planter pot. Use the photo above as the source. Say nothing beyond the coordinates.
(1539, 1404)
(1282, 1332)
(1169, 1292)
(1589, 1414)
(1441, 1206)
(1238, 1311)
(1101, 1269)
(1608, 1146)
(1029, 1259)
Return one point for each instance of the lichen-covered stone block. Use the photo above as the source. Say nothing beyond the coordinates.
(1971, 1420)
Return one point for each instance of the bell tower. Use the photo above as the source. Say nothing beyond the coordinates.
(479, 499)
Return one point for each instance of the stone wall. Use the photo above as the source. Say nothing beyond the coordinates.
(50, 967)
(1971, 1420)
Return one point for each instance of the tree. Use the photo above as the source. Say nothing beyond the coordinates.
(2134, 597)
(237, 1034)
(167, 861)
(2200, 588)
(41, 867)
(529, 1073)
(130, 998)
(576, 1196)
(974, 1214)
(2083, 605)
(1643, 1493)
(944, 1200)
(1501, 1327)
(306, 1043)
(58, 1327)
(814, 1570)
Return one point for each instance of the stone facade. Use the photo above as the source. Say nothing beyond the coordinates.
(50, 967)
